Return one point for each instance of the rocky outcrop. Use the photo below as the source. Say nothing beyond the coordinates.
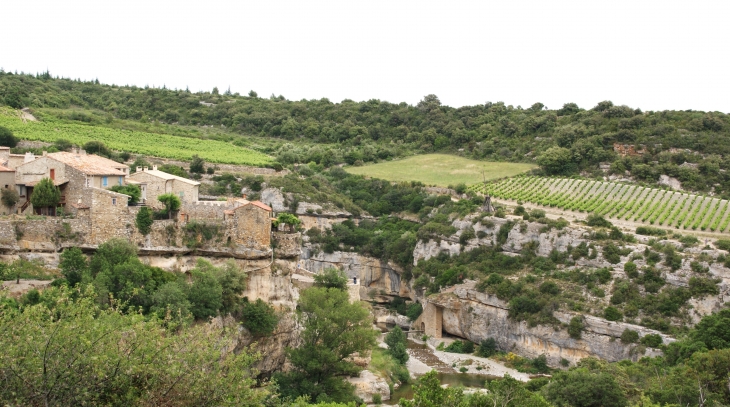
(476, 316)
(368, 384)
(371, 273)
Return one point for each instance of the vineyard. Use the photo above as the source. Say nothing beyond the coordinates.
(158, 145)
(615, 200)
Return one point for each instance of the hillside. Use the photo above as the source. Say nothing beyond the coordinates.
(566, 141)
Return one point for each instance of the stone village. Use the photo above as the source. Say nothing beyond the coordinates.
(96, 214)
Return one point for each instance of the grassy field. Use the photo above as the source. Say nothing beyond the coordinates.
(440, 170)
(138, 142)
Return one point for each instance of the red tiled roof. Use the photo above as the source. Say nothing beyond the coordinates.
(261, 205)
(6, 169)
(89, 164)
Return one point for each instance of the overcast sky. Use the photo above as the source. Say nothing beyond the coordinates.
(654, 55)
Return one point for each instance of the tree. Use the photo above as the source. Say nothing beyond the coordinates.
(287, 219)
(331, 278)
(7, 138)
(580, 387)
(132, 191)
(9, 198)
(397, 342)
(197, 165)
(74, 266)
(171, 201)
(97, 147)
(45, 194)
(487, 348)
(63, 145)
(205, 295)
(259, 318)
(87, 355)
(714, 330)
(144, 221)
(556, 161)
(334, 329)
(427, 392)
(575, 328)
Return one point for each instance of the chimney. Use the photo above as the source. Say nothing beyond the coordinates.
(45, 153)
(145, 168)
(139, 169)
(244, 196)
(82, 151)
(154, 168)
(28, 157)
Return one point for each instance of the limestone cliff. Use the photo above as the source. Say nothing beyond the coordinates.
(465, 312)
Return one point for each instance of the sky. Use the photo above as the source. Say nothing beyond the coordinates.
(647, 54)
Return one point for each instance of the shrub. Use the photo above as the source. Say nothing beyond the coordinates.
(540, 364)
(597, 220)
(575, 328)
(487, 348)
(259, 318)
(144, 220)
(612, 314)
(630, 269)
(9, 197)
(652, 340)
(414, 311)
(723, 244)
(629, 336)
(650, 231)
(550, 288)
(7, 138)
(699, 286)
(377, 399)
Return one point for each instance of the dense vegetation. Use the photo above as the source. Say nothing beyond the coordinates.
(567, 140)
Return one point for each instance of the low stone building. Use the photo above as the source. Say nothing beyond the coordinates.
(154, 183)
(250, 225)
(72, 172)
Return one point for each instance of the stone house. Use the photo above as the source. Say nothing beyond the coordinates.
(7, 181)
(154, 183)
(250, 224)
(72, 172)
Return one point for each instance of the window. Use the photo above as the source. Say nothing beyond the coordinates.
(88, 182)
(121, 180)
(114, 201)
(104, 181)
(182, 194)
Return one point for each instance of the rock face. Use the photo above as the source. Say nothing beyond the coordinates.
(368, 384)
(470, 314)
(371, 273)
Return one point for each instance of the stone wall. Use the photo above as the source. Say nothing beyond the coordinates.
(251, 227)
(205, 209)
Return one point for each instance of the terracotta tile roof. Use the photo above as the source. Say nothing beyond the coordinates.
(166, 176)
(258, 204)
(261, 205)
(89, 164)
(6, 169)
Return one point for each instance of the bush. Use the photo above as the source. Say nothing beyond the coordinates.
(414, 311)
(575, 328)
(144, 221)
(460, 347)
(487, 348)
(7, 138)
(652, 340)
(377, 399)
(723, 244)
(597, 220)
(549, 288)
(650, 231)
(612, 314)
(259, 318)
(629, 336)
(630, 269)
